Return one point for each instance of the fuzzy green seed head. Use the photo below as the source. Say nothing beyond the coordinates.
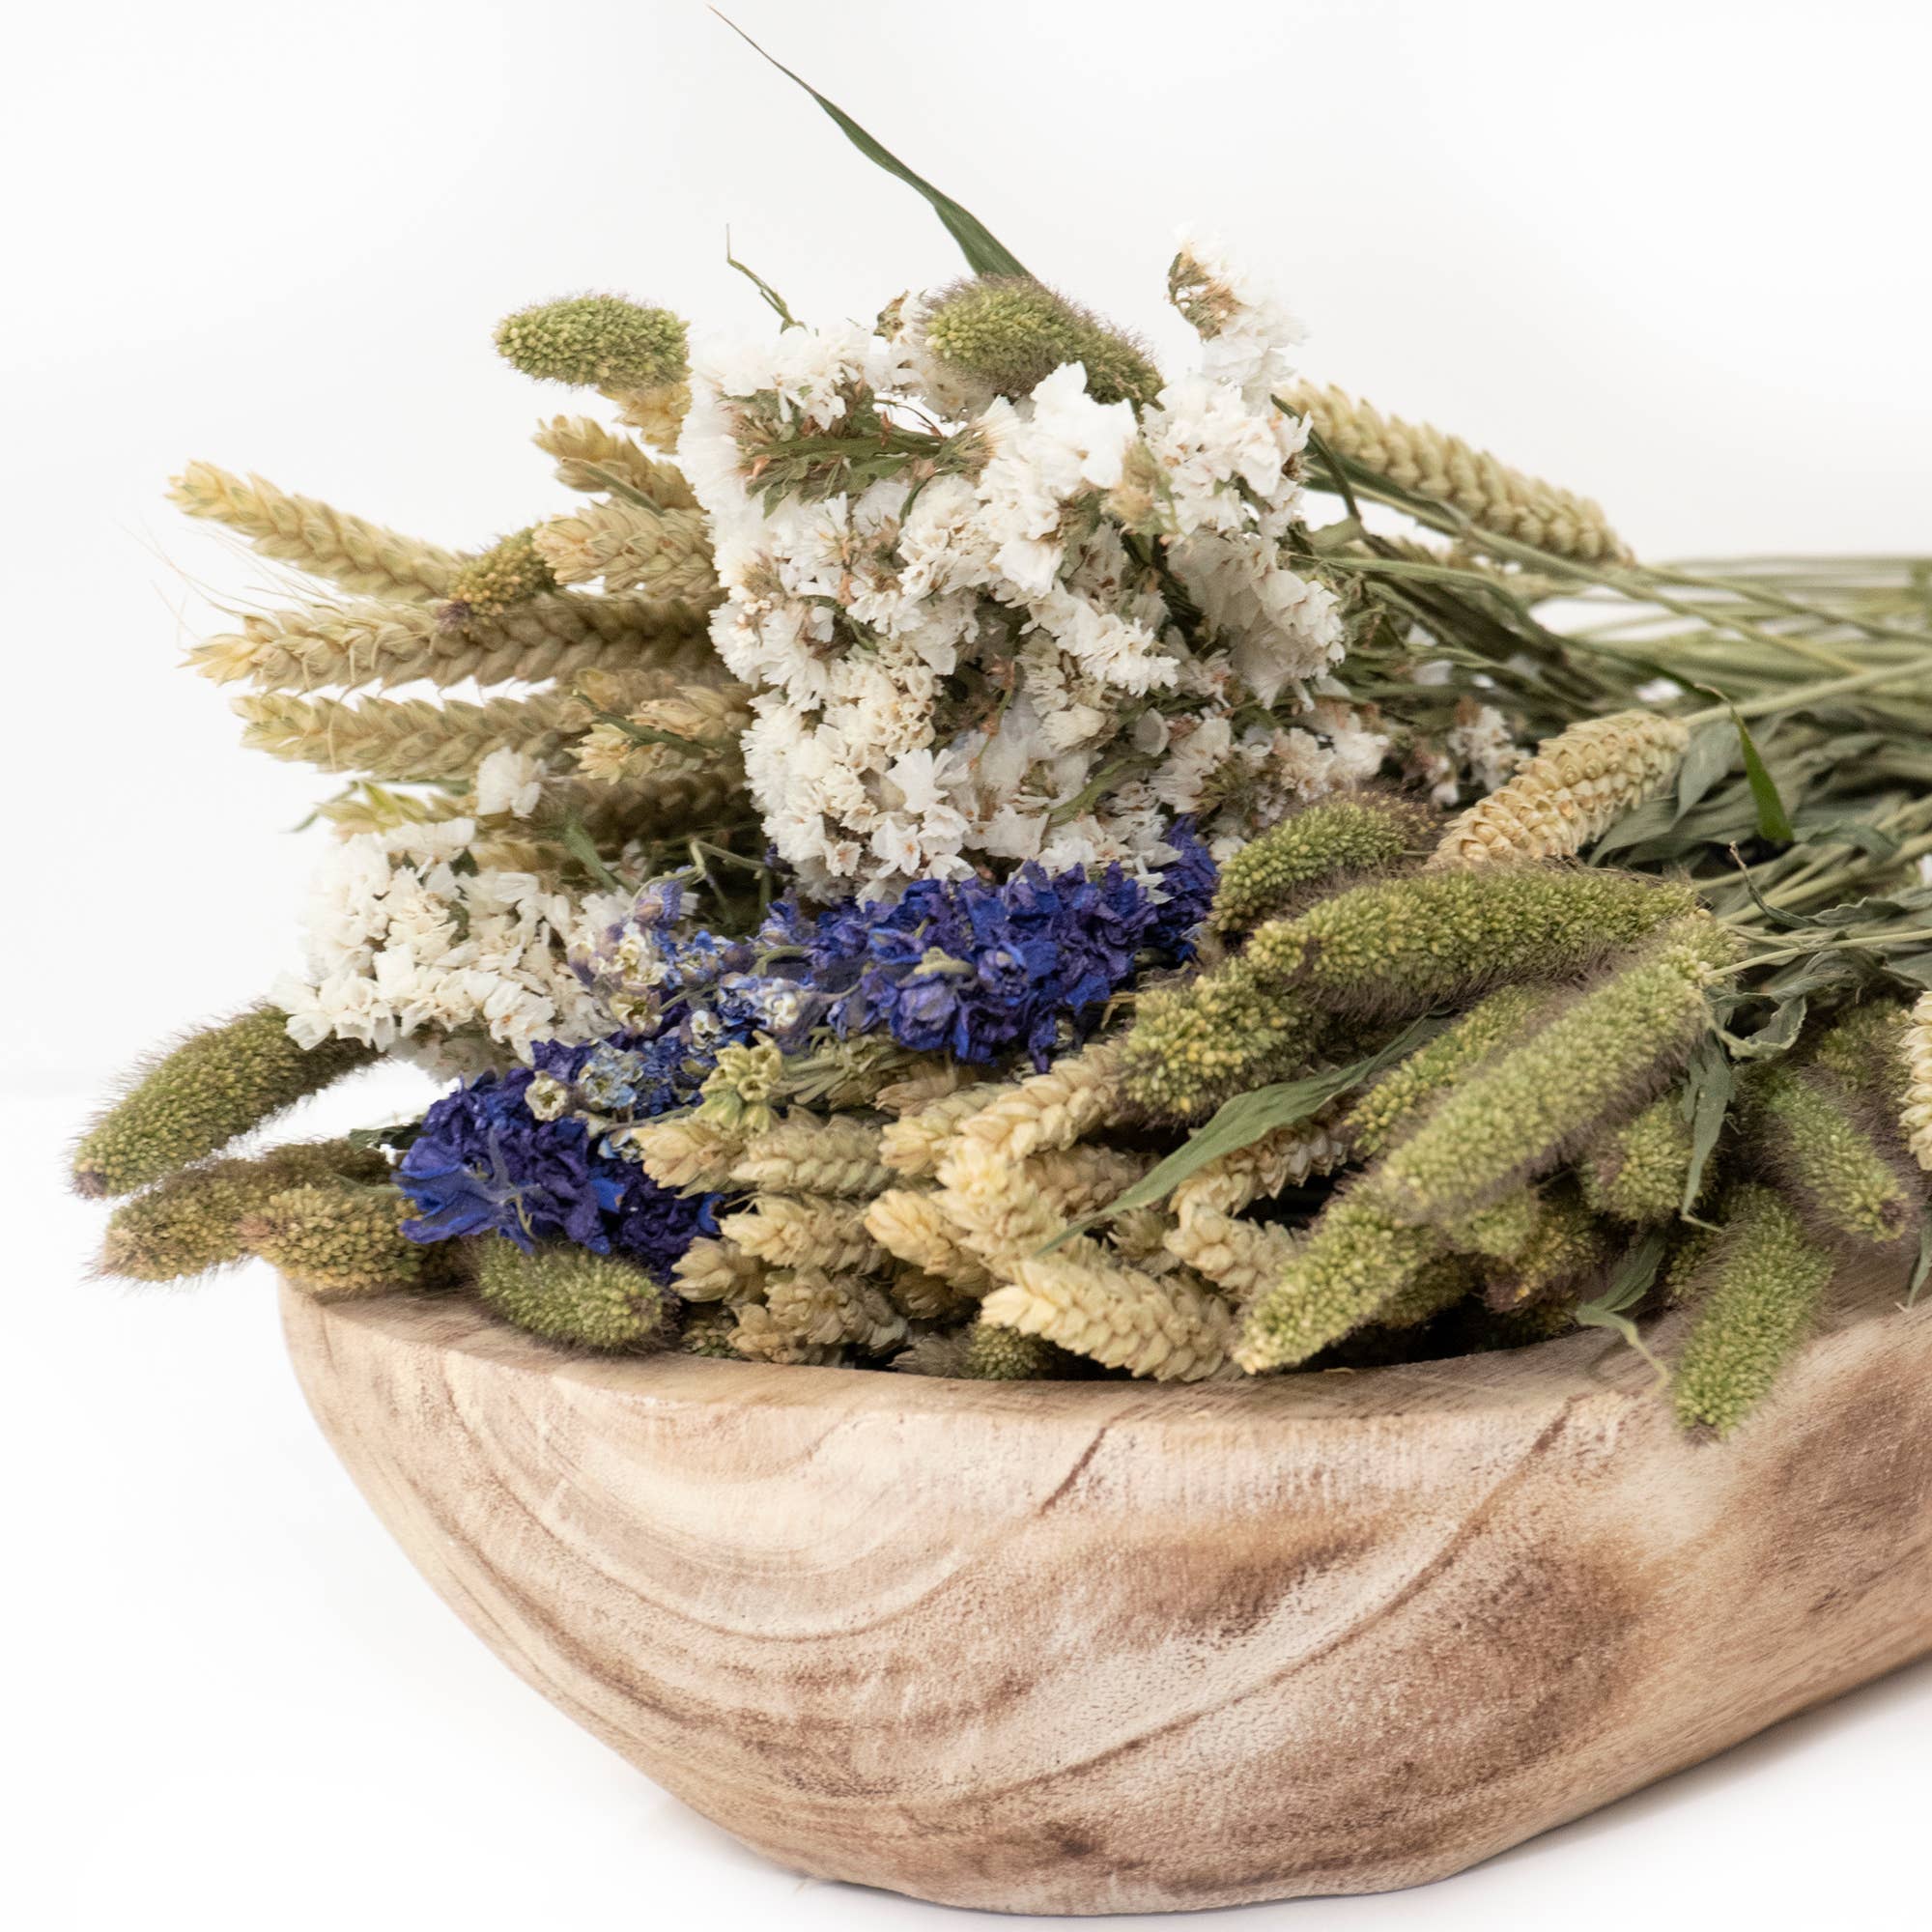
(1863, 1048)
(570, 1294)
(1636, 1172)
(1567, 1243)
(1435, 1286)
(1191, 1046)
(1372, 832)
(1595, 1062)
(707, 1332)
(1398, 946)
(509, 571)
(1486, 1329)
(1005, 1355)
(338, 1239)
(1502, 1230)
(1398, 1099)
(1356, 1260)
(1003, 335)
(1811, 1133)
(1761, 1283)
(1682, 1274)
(214, 1088)
(305, 1163)
(189, 1223)
(601, 342)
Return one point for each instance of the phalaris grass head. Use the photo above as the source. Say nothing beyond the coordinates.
(1003, 335)
(603, 342)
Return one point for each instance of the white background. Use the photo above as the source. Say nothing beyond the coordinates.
(1674, 256)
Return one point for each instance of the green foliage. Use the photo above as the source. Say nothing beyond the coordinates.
(1367, 832)
(1248, 1117)
(1761, 1284)
(217, 1086)
(984, 252)
(1006, 334)
(1774, 821)
(598, 341)
(570, 1294)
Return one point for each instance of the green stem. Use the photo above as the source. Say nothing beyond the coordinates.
(1778, 954)
(1810, 694)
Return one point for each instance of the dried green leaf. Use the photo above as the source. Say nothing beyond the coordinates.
(1778, 1034)
(581, 847)
(1774, 822)
(775, 301)
(1628, 1286)
(1246, 1118)
(984, 253)
(1709, 758)
(1707, 1099)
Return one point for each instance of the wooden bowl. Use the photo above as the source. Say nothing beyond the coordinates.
(1094, 1647)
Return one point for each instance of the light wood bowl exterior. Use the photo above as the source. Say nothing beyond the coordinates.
(1097, 1647)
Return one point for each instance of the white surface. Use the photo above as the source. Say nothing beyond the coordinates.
(1671, 255)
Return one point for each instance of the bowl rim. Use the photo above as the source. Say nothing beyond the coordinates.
(1591, 1362)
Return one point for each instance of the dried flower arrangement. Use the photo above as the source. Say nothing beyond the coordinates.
(974, 855)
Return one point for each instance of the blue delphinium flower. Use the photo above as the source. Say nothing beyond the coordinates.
(1189, 883)
(964, 967)
(484, 1163)
(978, 970)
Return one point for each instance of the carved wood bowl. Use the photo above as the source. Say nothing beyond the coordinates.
(1093, 1647)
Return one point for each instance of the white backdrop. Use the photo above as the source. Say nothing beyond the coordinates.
(1671, 255)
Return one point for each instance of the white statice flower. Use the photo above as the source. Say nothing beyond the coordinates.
(1199, 749)
(1060, 447)
(1244, 329)
(990, 629)
(403, 947)
(1481, 744)
(1217, 456)
(508, 780)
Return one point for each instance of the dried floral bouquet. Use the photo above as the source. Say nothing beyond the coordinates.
(980, 856)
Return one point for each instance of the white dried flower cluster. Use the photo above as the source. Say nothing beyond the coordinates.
(402, 944)
(508, 780)
(1026, 635)
(1244, 329)
(1482, 745)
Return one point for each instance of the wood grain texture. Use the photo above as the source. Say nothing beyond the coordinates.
(1113, 1647)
